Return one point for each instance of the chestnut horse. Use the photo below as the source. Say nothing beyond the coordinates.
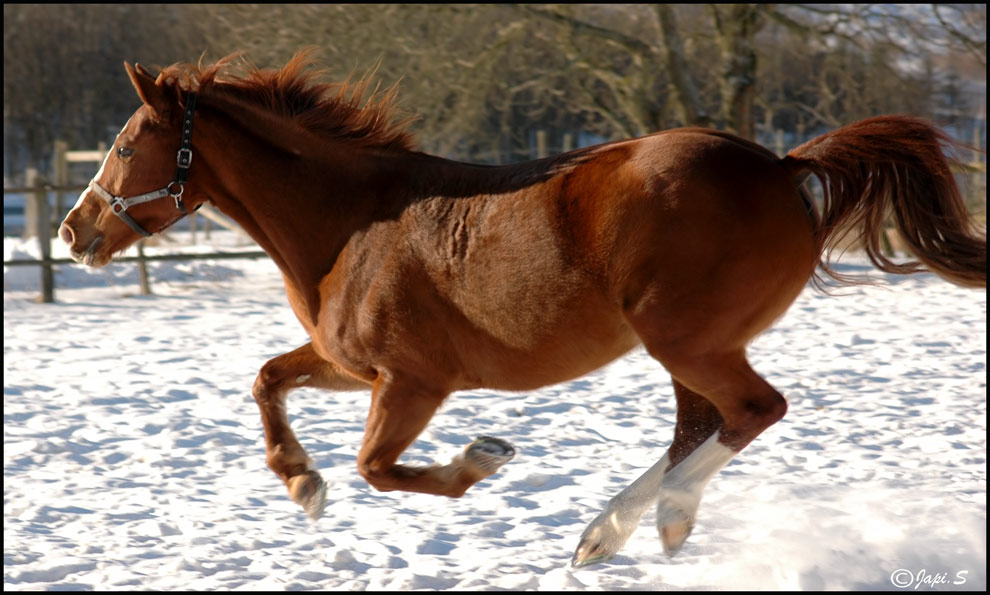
(417, 276)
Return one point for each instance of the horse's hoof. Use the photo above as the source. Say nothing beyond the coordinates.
(674, 532)
(591, 551)
(603, 538)
(309, 491)
(675, 518)
(606, 535)
(488, 453)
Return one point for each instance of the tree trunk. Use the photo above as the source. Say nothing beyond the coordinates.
(737, 26)
(685, 89)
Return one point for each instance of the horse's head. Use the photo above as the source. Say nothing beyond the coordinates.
(141, 187)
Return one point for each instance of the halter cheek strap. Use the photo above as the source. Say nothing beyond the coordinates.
(174, 189)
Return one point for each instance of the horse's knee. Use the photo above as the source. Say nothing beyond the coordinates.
(376, 477)
(271, 378)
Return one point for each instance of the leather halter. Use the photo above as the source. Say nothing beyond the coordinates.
(120, 204)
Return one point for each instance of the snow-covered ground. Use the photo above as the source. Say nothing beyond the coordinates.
(134, 456)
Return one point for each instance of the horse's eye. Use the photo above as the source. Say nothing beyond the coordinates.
(124, 152)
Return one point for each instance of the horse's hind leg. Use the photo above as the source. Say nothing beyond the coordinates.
(697, 419)
(285, 456)
(747, 404)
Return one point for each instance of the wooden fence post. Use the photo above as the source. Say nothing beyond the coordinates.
(143, 270)
(30, 206)
(567, 143)
(541, 144)
(42, 222)
(60, 169)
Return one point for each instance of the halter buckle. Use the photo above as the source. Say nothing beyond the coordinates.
(184, 158)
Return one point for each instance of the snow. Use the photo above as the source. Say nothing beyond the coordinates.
(134, 453)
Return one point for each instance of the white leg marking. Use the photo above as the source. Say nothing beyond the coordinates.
(610, 530)
(680, 491)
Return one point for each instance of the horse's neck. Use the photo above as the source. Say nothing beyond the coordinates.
(301, 210)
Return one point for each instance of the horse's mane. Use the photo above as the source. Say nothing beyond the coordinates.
(331, 110)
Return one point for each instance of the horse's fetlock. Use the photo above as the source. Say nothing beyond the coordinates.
(288, 462)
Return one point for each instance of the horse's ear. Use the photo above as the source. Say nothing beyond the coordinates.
(143, 71)
(150, 93)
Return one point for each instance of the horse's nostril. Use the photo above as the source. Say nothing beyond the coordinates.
(65, 232)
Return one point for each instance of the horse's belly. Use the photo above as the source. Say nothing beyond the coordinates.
(575, 348)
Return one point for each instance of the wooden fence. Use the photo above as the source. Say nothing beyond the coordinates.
(42, 218)
(40, 225)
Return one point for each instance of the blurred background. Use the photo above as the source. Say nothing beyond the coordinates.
(503, 83)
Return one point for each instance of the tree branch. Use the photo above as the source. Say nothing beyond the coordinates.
(630, 43)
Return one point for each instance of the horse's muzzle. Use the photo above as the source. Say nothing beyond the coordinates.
(82, 254)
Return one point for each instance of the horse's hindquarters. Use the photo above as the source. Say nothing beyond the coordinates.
(716, 249)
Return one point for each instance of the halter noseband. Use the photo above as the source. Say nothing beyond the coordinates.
(119, 204)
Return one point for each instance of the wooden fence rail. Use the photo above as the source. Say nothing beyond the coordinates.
(48, 277)
(250, 254)
(39, 223)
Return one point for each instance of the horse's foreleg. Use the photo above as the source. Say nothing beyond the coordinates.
(399, 412)
(285, 456)
(697, 419)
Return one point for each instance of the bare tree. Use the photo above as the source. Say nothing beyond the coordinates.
(63, 76)
(481, 78)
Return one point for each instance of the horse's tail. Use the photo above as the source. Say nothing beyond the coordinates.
(893, 165)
